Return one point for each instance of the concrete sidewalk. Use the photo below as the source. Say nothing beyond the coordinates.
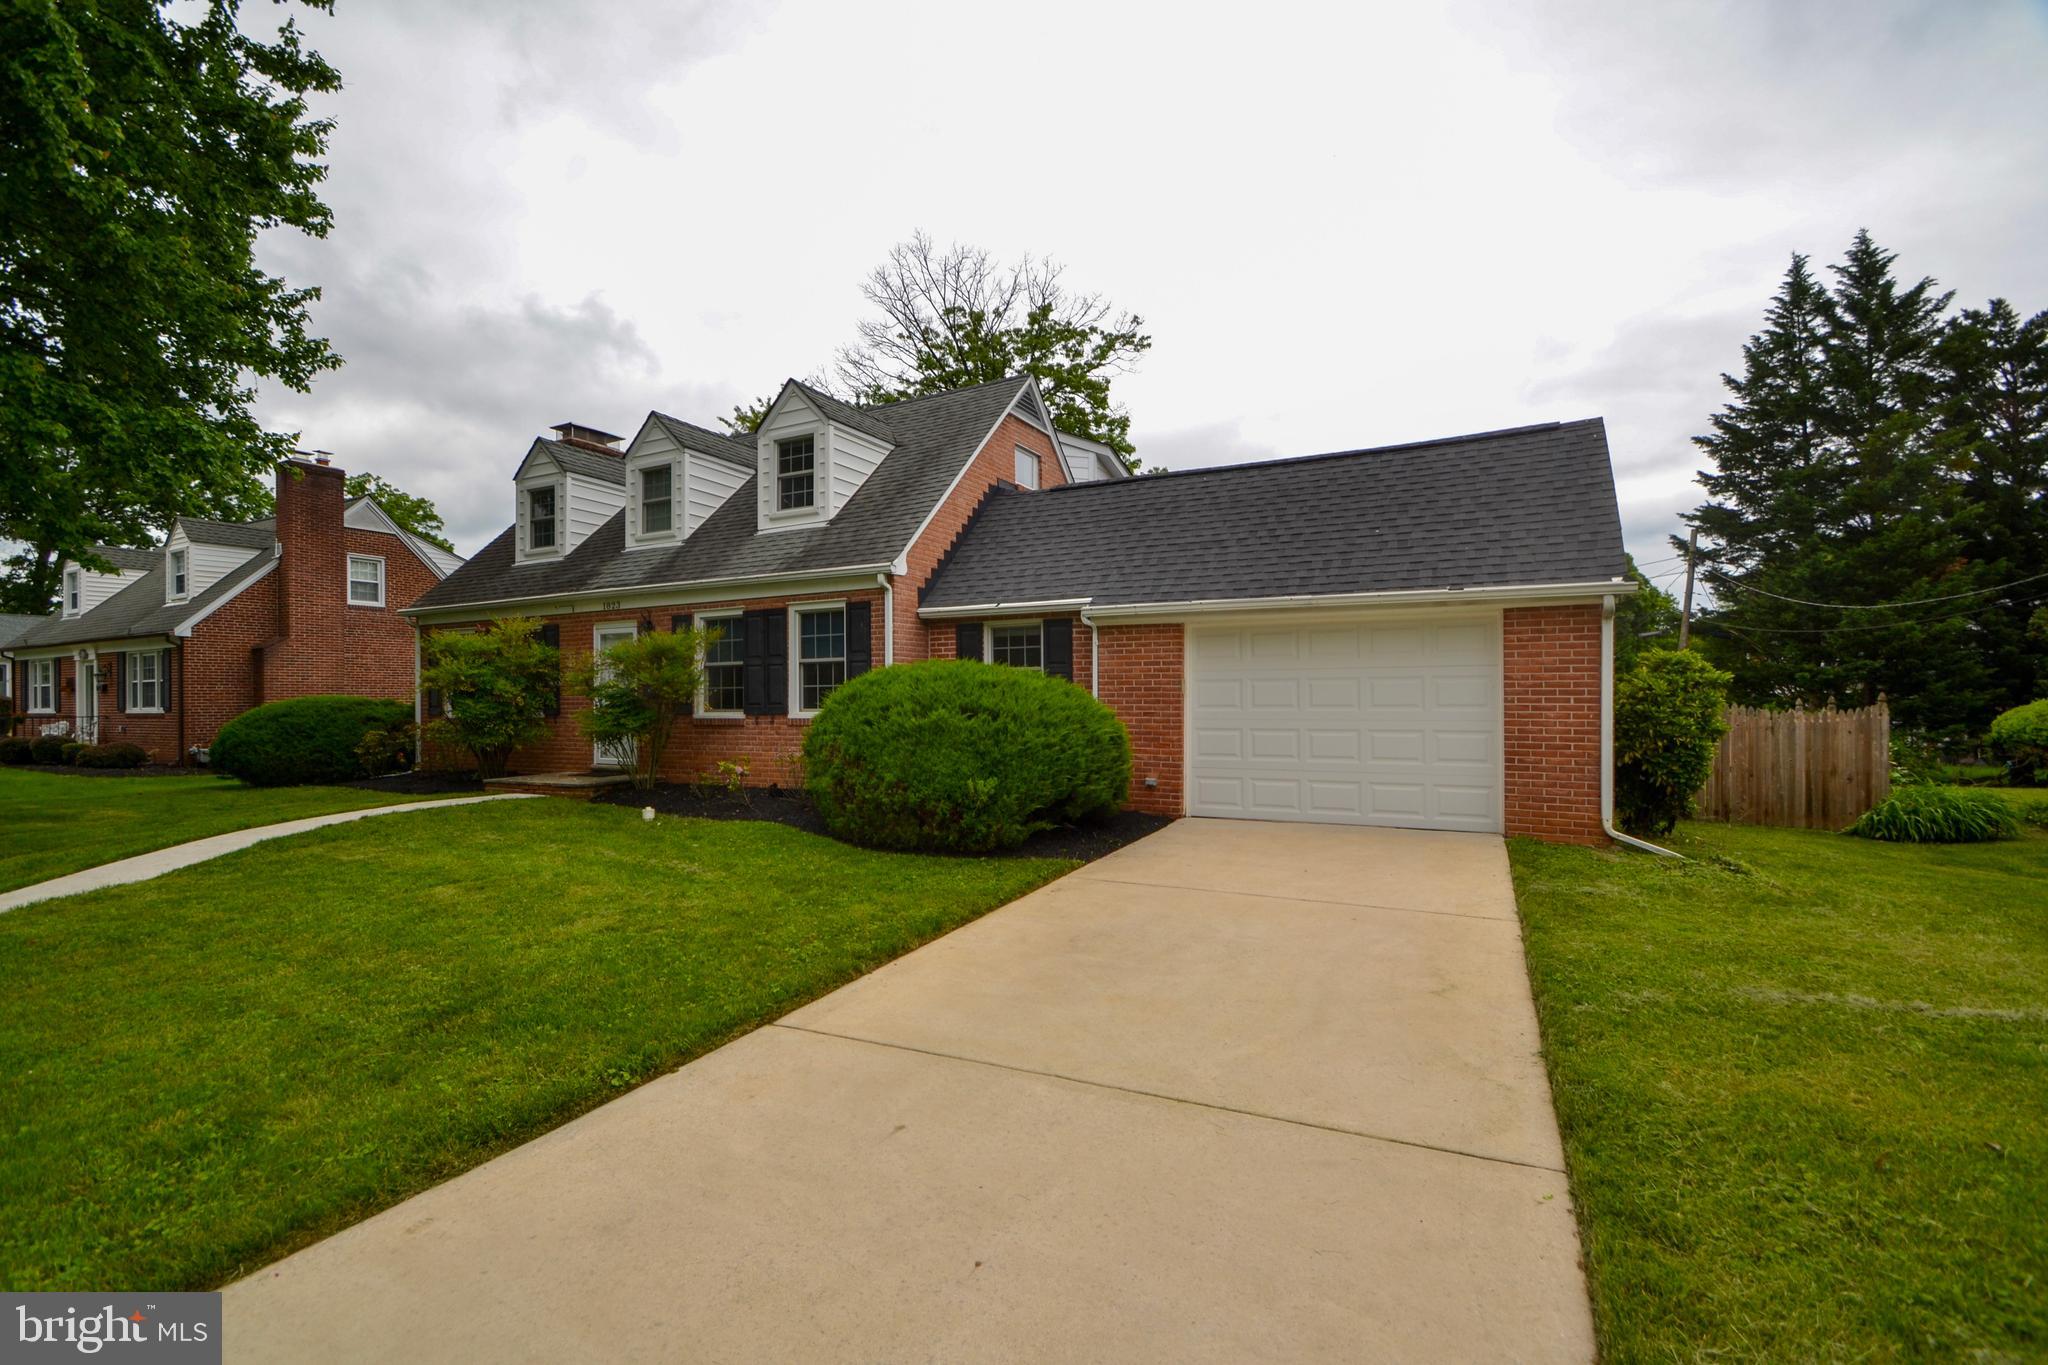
(144, 866)
(1239, 1091)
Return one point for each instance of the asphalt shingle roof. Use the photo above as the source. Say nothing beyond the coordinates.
(243, 535)
(1526, 506)
(585, 463)
(932, 438)
(139, 608)
(735, 450)
(13, 626)
(128, 559)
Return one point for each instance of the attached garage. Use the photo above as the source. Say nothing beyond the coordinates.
(1395, 721)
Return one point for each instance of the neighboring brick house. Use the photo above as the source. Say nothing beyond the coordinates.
(223, 616)
(1416, 636)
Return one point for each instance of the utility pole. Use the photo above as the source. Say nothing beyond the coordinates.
(1692, 545)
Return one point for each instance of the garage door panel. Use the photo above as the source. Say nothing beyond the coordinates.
(1392, 724)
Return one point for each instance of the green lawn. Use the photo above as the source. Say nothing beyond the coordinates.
(210, 1069)
(1803, 1083)
(54, 823)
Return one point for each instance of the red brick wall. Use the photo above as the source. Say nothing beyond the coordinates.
(995, 462)
(1551, 709)
(377, 654)
(1143, 669)
(309, 654)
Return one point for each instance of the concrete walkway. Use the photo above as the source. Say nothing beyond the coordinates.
(1237, 1092)
(143, 866)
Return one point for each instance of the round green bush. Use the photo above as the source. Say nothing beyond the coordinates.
(304, 739)
(962, 756)
(111, 756)
(16, 749)
(1938, 815)
(48, 748)
(2019, 737)
(1670, 712)
(69, 753)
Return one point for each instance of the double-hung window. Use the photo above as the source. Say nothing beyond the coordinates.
(74, 591)
(657, 508)
(365, 581)
(796, 465)
(725, 675)
(1020, 646)
(180, 580)
(145, 682)
(820, 654)
(42, 686)
(1027, 468)
(540, 518)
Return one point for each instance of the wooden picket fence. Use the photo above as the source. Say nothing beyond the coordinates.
(1802, 769)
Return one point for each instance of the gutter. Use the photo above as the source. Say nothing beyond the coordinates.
(998, 608)
(707, 589)
(1519, 593)
(1607, 739)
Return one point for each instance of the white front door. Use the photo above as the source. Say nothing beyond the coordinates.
(1387, 721)
(603, 638)
(88, 708)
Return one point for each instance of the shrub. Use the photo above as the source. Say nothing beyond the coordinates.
(111, 756)
(48, 748)
(962, 756)
(304, 739)
(16, 749)
(69, 753)
(1938, 815)
(1670, 712)
(387, 751)
(498, 686)
(638, 690)
(2020, 738)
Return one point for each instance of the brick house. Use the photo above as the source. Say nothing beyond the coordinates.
(1418, 635)
(184, 636)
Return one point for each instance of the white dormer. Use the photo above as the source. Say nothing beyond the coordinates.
(674, 481)
(811, 458)
(565, 489)
(195, 562)
(82, 589)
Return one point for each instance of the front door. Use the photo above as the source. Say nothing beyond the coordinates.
(88, 708)
(603, 638)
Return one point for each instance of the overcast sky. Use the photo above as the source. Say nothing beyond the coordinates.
(1345, 225)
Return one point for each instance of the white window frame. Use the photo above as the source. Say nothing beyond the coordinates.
(1036, 463)
(130, 684)
(988, 639)
(797, 611)
(556, 519)
(733, 620)
(7, 679)
(810, 508)
(36, 668)
(177, 565)
(74, 591)
(640, 498)
(354, 560)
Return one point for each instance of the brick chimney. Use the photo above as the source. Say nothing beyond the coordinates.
(310, 654)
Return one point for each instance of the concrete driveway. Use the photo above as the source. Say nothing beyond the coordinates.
(1239, 1091)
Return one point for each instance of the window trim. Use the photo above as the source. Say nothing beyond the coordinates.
(1037, 468)
(702, 710)
(798, 610)
(640, 473)
(988, 637)
(177, 564)
(74, 591)
(130, 684)
(555, 490)
(35, 666)
(809, 509)
(354, 560)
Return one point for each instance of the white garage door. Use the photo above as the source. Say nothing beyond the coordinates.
(1383, 724)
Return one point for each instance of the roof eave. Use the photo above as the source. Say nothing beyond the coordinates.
(1515, 594)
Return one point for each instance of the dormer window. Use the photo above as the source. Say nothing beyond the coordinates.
(540, 519)
(795, 474)
(180, 583)
(657, 507)
(74, 591)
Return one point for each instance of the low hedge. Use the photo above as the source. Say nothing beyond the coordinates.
(962, 756)
(111, 756)
(16, 749)
(48, 748)
(302, 740)
(2019, 738)
(1938, 815)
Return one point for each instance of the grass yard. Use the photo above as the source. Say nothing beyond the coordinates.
(208, 1070)
(53, 823)
(1803, 1084)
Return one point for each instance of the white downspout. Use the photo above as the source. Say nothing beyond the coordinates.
(1094, 657)
(888, 620)
(419, 745)
(1607, 738)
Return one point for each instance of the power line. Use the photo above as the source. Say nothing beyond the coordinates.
(1883, 625)
(1877, 606)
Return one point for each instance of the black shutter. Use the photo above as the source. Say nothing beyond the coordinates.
(121, 682)
(754, 664)
(677, 624)
(1058, 652)
(860, 644)
(777, 630)
(551, 636)
(433, 703)
(163, 679)
(967, 641)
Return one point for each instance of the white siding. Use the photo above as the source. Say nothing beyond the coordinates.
(793, 416)
(651, 449)
(540, 471)
(93, 588)
(591, 504)
(707, 483)
(854, 457)
(205, 565)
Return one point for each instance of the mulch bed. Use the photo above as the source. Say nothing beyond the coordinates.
(420, 784)
(1084, 842)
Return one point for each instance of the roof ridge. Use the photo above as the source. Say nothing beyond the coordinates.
(1152, 477)
(1017, 378)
